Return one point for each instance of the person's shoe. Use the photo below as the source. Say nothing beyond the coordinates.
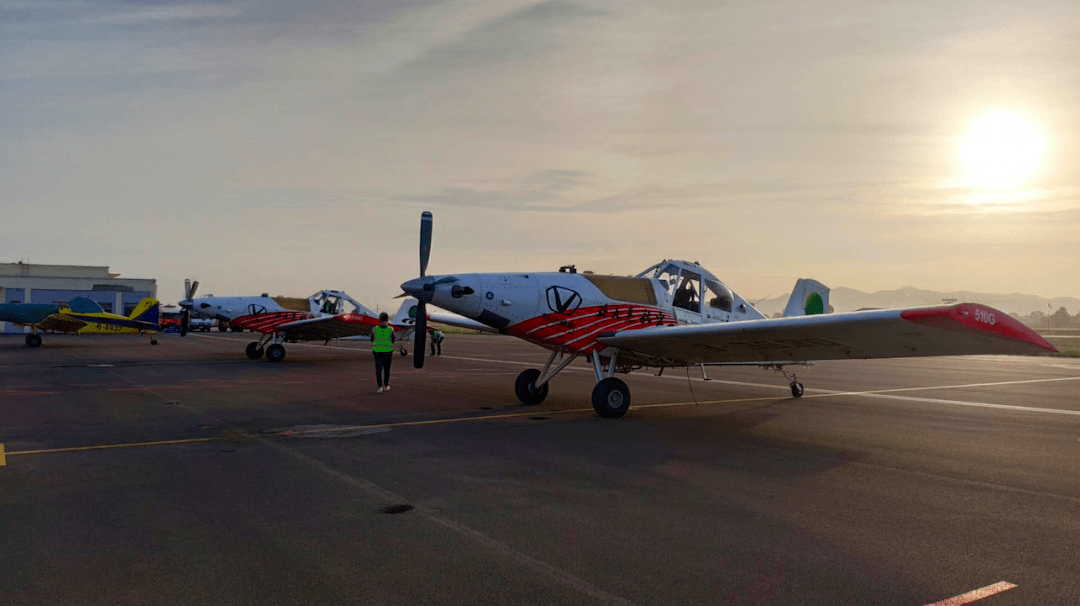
(380, 390)
(387, 388)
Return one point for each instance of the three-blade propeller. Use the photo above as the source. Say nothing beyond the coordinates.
(420, 330)
(185, 316)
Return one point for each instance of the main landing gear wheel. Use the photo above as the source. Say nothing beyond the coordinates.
(153, 341)
(275, 353)
(404, 352)
(33, 341)
(796, 390)
(526, 390)
(611, 398)
(254, 352)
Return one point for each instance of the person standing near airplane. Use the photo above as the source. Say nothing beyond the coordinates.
(382, 346)
(436, 342)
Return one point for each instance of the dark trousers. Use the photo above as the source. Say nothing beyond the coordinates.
(436, 345)
(382, 367)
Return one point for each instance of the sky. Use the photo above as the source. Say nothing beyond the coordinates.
(287, 147)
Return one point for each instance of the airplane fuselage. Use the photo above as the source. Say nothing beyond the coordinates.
(567, 311)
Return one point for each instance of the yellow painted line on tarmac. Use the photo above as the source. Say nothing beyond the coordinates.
(111, 446)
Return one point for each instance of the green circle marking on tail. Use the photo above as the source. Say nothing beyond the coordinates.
(814, 304)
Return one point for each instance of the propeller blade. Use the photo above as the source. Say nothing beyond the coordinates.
(420, 340)
(402, 295)
(185, 320)
(425, 242)
(187, 288)
(194, 287)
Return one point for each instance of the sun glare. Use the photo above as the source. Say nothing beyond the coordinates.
(1001, 150)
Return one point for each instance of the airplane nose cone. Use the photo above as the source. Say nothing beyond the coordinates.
(415, 288)
(186, 304)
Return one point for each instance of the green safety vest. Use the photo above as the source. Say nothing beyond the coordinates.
(384, 339)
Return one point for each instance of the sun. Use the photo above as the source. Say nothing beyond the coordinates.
(1001, 150)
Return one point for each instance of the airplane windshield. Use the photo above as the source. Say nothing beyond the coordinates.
(721, 296)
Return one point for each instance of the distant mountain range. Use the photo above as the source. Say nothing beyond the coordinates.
(849, 299)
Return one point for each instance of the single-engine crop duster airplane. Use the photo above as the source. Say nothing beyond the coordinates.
(326, 318)
(677, 314)
(80, 315)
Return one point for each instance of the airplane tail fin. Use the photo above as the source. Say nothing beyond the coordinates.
(406, 314)
(809, 297)
(148, 310)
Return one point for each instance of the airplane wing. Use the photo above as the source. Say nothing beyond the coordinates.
(61, 323)
(963, 329)
(328, 327)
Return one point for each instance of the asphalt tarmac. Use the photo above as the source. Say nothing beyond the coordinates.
(184, 473)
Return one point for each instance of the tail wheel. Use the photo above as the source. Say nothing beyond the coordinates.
(33, 341)
(404, 352)
(253, 351)
(275, 353)
(796, 390)
(611, 398)
(526, 390)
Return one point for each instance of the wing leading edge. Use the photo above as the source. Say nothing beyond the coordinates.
(946, 330)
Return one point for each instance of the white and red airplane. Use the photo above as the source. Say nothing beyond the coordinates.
(326, 318)
(677, 314)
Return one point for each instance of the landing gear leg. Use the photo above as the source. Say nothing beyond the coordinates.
(531, 386)
(254, 349)
(796, 387)
(611, 396)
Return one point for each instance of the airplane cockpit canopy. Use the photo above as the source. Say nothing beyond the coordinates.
(683, 282)
(334, 302)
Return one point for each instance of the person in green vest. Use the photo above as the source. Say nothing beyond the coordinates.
(436, 342)
(382, 346)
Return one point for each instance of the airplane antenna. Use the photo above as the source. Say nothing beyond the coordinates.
(691, 385)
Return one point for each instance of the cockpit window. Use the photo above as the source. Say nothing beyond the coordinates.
(687, 294)
(721, 296)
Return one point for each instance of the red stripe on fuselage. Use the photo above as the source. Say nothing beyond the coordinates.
(576, 331)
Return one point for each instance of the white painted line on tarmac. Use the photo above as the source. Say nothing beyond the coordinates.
(975, 595)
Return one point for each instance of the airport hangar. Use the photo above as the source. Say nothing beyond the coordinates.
(30, 283)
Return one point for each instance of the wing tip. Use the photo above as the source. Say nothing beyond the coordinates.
(978, 317)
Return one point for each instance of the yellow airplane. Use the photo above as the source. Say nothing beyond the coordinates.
(83, 316)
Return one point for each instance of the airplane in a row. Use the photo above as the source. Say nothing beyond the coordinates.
(331, 314)
(80, 315)
(677, 314)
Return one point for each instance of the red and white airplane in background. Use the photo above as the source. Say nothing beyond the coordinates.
(327, 317)
(677, 314)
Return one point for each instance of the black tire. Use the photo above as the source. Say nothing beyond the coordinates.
(253, 351)
(153, 341)
(223, 327)
(236, 329)
(611, 398)
(525, 388)
(275, 353)
(33, 340)
(404, 352)
(796, 390)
